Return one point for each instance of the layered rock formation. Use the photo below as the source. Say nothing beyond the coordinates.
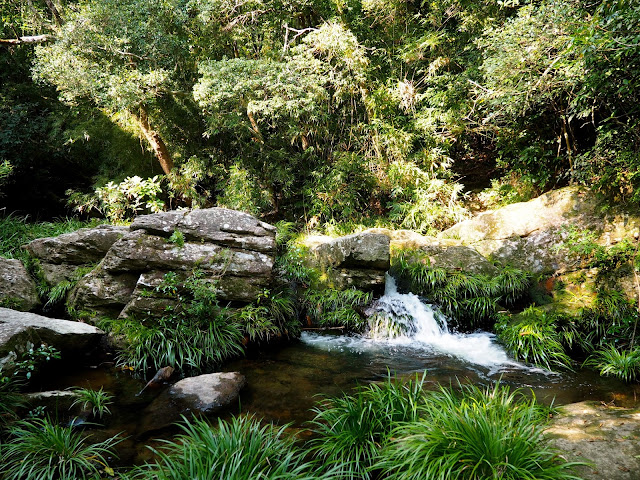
(233, 250)
(358, 260)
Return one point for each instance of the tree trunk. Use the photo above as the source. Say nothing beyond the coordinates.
(156, 142)
(54, 11)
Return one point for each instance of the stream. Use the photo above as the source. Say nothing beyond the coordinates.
(284, 383)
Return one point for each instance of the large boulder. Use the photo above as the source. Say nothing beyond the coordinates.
(17, 288)
(18, 329)
(219, 226)
(358, 260)
(234, 251)
(61, 258)
(450, 254)
(532, 235)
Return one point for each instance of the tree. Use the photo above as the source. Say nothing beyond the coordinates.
(123, 56)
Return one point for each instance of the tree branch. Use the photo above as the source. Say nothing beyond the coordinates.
(29, 39)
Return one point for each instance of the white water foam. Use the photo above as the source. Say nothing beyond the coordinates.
(422, 328)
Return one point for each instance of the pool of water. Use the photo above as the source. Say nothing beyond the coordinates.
(284, 383)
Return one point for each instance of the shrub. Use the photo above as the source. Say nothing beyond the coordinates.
(97, 401)
(351, 429)
(470, 300)
(478, 434)
(41, 450)
(236, 450)
(534, 339)
(10, 400)
(614, 362)
(337, 308)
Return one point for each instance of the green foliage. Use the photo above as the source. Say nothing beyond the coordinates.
(615, 362)
(471, 300)
(238, 449)
(32, 358)
(122, 202)
(177, 238)
(41, 450)
(196, 335)
(10, 400)
(271, 315)
(479, 434)
(535, 339)
(337, 308)
(97, 401)
(351, 429)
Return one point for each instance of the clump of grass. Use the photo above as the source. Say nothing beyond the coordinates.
(236, 450)
(351, 429)
(97, 401)
(615, 362)
(41, 450)
(475, 434)
(337, 308)
(535, 339)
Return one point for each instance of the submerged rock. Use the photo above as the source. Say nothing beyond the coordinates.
(17, 288)
(607, 437)
(18, 329)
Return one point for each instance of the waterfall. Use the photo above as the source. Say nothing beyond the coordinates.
(403, 320)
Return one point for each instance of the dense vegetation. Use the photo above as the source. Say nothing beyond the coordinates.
(357, 111)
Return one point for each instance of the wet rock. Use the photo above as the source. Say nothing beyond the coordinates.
(17, 329)
(208, 393)
(607, 437)
(84, 246)
(219, 226)
(358, 260)
(17, 288)
(57, 403)
(203, 394)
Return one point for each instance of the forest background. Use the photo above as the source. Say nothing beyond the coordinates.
(331, 113)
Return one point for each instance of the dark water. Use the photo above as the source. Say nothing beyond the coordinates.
(283, 384)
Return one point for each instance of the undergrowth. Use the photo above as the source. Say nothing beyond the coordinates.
(470, 300)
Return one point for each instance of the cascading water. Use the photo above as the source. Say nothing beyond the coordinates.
(402, 320)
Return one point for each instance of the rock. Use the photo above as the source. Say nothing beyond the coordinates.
(139, 252)
(86, 245)
(208, 393)
(203, 394)
(58, 403)
(54, 273)
(17, 288)
(608, 437)
(358, 260)
(102, 293)
(530, 235)
(220, 226)
(19, 328)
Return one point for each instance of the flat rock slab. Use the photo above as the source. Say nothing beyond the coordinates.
(19, 328)
(608, 437)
